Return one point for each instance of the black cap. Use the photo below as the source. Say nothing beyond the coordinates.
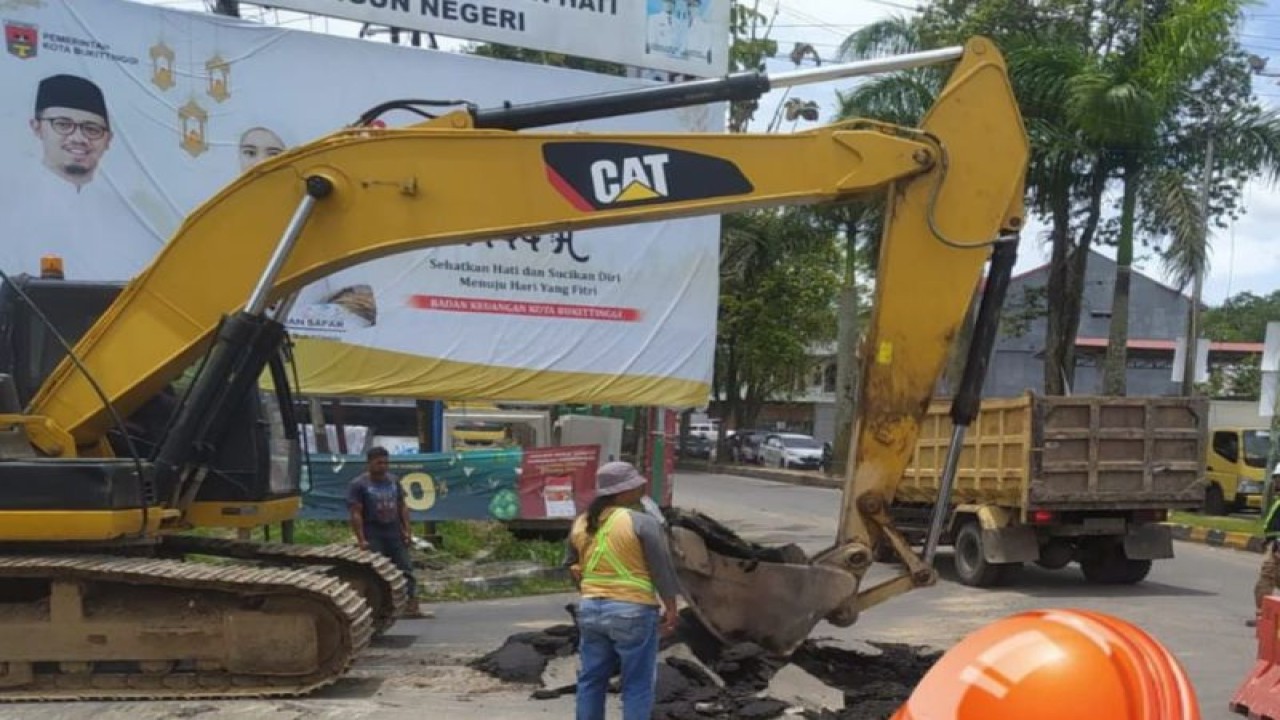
(71, 91)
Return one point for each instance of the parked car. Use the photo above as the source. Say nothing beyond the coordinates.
(705, 429)
(791, 450)
(697, 446)
(745, 445)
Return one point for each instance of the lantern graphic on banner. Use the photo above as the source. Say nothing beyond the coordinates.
(194, 122)
(219, 78)
(162, 65)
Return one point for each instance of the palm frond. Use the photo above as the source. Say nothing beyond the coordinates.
(1186, 43)
(901, 98)
(1252, 141)
(892, 36)
(1040, 74)
(1177, 206)
(1111, 108)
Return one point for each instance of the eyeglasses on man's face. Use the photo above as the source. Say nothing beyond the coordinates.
(65, 126)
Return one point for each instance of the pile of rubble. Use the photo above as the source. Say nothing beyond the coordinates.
(700, 679)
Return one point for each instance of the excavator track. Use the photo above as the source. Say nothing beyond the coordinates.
(98, 627)
(384, 587)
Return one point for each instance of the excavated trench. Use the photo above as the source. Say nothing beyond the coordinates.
(699, 678)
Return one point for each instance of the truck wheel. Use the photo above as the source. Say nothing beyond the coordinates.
(1214, 502)
(1056, 554)
(971, 566)
(1107, 565)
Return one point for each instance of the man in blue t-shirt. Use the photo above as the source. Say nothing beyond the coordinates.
(380, 519)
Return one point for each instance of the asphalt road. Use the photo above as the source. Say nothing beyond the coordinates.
(1195, 604)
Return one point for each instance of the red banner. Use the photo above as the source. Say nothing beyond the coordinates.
(516, 307)
(558, 482)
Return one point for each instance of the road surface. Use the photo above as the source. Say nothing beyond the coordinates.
(1195, 604)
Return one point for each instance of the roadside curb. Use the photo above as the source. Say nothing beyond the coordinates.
(1217, 538)
(793, 477)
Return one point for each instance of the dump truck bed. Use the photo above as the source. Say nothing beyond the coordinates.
(1068, 453)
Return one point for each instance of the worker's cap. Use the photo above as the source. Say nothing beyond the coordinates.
(71, 91)
(617, 477)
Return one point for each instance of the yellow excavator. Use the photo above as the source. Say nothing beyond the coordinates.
(125, 434)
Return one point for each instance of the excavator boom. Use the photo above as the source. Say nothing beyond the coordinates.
(388, 191)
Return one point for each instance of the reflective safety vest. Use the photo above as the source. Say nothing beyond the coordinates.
(618, 575)
(1270, 526)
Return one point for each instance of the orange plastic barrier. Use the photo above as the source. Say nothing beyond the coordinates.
(1259, 696)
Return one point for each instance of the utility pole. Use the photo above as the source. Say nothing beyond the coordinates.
(1197, 284)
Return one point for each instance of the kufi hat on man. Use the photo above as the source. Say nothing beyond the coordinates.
(71, 91)
(617, 477)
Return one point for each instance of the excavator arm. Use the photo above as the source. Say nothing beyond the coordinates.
(954, 186)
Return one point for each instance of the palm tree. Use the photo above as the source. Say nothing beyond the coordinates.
(1230, 145)
(1068, 173)
(1123, 101)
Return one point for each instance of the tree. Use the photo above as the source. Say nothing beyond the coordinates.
(1044, 46)
(779, 274)
(1243, 317)
(1126, 101)
(1109, 93)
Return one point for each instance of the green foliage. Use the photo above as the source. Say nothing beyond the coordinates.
(322, 532)
(1019, 313)
(1112, 94)
(1241, 380)
(1243, 317)
(749, 45)
(1250, 526)
(780, 272)
(493, 542)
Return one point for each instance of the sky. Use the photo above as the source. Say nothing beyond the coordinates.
(1244, 257)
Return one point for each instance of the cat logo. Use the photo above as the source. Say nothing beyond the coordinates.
(596, 176)
(21, 40)
(635, 178)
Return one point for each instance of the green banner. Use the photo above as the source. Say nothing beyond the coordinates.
(472, 485)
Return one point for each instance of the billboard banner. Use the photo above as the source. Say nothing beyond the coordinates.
(680, 36)
(491, 484)
(119, 118)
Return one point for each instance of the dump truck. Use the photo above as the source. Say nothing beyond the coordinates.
(1056, 480)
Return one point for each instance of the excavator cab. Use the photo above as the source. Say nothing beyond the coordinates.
(259, 461)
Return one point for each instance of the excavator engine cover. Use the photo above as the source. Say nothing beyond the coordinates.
(744, 593)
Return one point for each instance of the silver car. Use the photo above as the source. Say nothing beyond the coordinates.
(791, 450)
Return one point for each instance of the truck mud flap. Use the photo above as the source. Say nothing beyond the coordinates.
(1010, 544)
(1148, 542)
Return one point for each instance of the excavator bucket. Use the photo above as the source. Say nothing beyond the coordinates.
(743, 592)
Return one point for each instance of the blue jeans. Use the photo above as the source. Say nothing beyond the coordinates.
(617, 635)
(389, 542)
